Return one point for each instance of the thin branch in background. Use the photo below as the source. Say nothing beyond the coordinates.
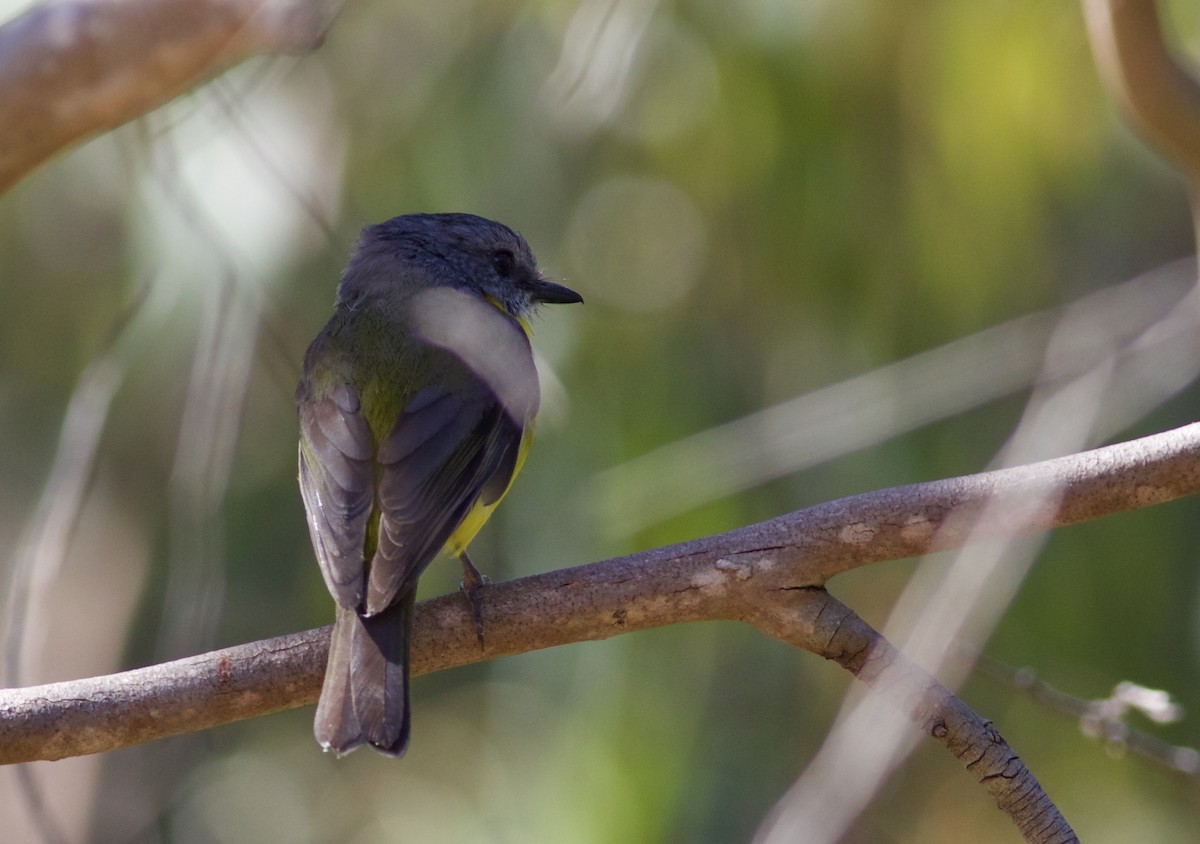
(1104, 718)
(217, 388)
(316, 208)
(597, 63)
(221, 366)
(865, 410)
(52, 526)
(41, 553)
(281, 345)
(43, 550)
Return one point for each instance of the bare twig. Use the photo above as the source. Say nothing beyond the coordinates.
(1095, 722)
(69, 70)
(728, 576)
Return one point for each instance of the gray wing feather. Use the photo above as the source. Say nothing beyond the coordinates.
(338, 490)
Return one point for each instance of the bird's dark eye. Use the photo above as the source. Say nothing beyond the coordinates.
(504, 261)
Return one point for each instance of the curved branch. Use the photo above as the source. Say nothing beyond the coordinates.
(817, 622)
(1159, 96)
(69, 70)
(728, 576)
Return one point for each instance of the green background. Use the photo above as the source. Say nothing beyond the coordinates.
(756, 199)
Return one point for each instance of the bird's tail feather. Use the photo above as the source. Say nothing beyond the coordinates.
(364, 699)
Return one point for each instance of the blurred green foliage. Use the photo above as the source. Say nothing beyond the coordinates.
(756, 199)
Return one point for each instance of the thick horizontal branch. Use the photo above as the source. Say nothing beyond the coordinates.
(908, 521)
(73, 69)
(728, 576)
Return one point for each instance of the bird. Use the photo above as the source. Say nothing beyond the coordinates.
(416, 409)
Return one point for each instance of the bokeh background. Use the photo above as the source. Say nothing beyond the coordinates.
(758, 200)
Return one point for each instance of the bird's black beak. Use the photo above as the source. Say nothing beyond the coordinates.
(553, 294)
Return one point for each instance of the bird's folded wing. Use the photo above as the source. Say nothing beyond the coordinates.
(443, 450)
(337, 484)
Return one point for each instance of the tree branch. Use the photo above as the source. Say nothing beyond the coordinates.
(728, 576)
(1097, 720)
(1160, 98)
(69, 70)
(817, 622)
